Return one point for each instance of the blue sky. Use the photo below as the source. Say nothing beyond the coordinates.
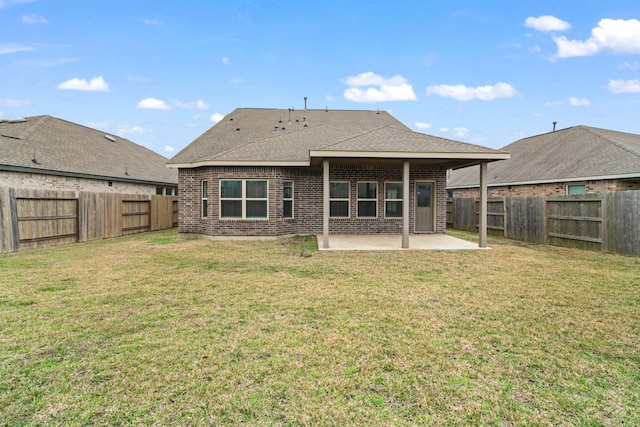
(160, 73)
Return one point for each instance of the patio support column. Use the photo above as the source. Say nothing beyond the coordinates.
(325, 204)
(482, 223)
(405, 205)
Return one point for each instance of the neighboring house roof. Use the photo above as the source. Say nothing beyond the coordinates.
(573, 154)
(277, 137)
(48, 145)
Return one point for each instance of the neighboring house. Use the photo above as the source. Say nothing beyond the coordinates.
(273, 172)
(575, 160)
(44, 152)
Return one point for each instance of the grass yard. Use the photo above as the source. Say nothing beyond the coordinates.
(157, 330)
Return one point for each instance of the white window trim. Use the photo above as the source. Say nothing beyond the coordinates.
(292, 199)
(348, 200)
(204, 198)
(391, 200)
(243, 200)
(358, 199)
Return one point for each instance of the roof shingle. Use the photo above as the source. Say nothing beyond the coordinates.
(576, 152)
(53, 145)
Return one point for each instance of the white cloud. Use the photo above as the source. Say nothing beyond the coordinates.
(421, 125)
(198, 104)
(14, 103)
(615, 35)
(96, 84)
(546, 23)
(237, 80)
(465, 93)
(624, 86)
(461, 132)
(394, 89)
(635, 66)
(169, 149)
(225, 60)
(216, 117)
(6, 48)
(579, 102)
(152, 104)
(34, 19)
(328, 98)
(130, 130)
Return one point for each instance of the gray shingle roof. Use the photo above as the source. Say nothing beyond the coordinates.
(580, 152)
(276, 135)
(59, 146)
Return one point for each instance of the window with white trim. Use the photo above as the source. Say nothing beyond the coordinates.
(339, 199)
(205, 198)
(287, 199)
(393, 199)
(367, 199)
(243, 199)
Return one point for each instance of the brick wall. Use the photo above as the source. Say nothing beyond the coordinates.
(551, 189)
(36, 181)
(307, 200)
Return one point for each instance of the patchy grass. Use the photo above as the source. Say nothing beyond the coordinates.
(152, 329)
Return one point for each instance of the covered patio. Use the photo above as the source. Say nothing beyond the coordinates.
(391, 242)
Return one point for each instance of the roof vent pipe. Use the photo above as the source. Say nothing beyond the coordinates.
(554, 126)
(305, 103)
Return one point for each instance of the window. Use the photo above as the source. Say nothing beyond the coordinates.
(338, 199)
(159, 191)
(287, 199)
(367, 199)
(393, 199)
(245, 199)
(205, 198)
(576, 189)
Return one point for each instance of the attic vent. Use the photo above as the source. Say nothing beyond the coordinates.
(110, 138)
(20, 120)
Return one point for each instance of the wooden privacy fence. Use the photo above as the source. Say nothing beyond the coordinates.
(609, 222)
(37, 218)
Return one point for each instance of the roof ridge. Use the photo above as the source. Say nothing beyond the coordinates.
(595, 132)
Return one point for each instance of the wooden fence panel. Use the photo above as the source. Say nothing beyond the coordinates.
(9, 237)
(622, 228)
(575, 222)
(525, 219)
(136, 214)
(100, 216)
(162, 208)
(46, 218)
(463, 215)
(175, 217)
(495, 217)
(39, 218)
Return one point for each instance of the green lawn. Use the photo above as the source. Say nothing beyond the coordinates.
(157, 330)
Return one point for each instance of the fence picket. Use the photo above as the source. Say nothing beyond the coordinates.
(39, 218)
(608, 222)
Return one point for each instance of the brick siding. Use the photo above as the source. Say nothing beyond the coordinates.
(551, 189)
(37, 181)
(308, 202)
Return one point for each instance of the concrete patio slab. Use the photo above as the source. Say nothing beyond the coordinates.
(388, 242)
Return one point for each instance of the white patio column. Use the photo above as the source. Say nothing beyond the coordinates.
(325, 204)
(482, 225)
(405, 205)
